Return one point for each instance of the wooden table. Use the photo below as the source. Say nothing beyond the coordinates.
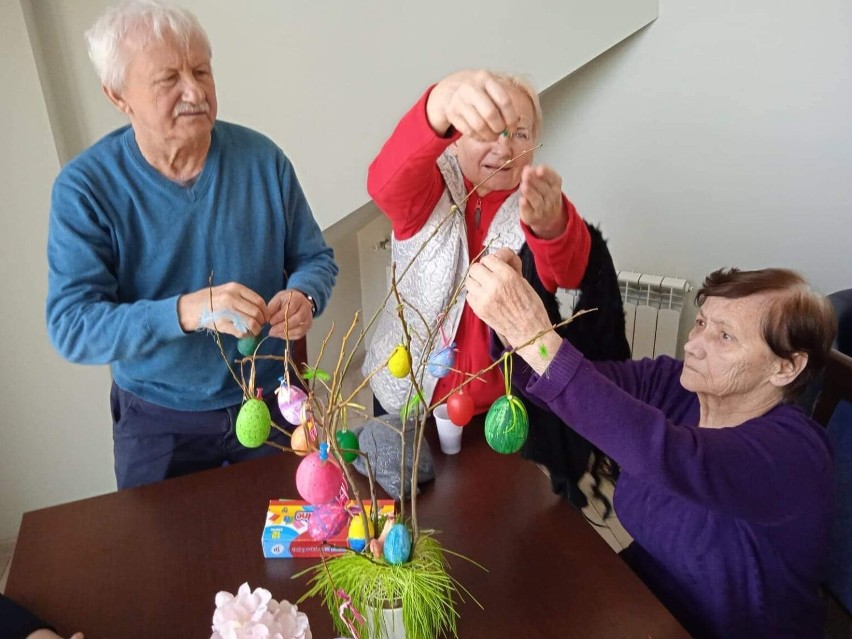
(148, 562)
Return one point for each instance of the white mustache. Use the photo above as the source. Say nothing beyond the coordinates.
(187, 108)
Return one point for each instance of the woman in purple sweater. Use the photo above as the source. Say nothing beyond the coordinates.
(725, 486)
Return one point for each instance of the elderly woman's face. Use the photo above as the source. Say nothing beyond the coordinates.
(169, 94)
(726, 354)
(478, 159)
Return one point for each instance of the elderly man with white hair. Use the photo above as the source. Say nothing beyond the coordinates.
(140, 221)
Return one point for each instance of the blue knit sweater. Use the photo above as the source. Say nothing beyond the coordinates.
(125, 242)
(730, 525)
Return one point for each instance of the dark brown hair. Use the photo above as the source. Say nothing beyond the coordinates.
(796, 320)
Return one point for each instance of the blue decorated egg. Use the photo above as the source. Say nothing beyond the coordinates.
(397, 545)
(442, 361)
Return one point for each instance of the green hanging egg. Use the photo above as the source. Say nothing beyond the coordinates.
(506, 425)
(253, 423)
(348, 439)
(247, 345)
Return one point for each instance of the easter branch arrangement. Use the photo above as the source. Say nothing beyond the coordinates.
(392, 561)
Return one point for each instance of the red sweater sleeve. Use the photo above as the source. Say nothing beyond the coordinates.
(404, 179)
(561, 262)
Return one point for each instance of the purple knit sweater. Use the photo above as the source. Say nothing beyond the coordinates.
(730, 525)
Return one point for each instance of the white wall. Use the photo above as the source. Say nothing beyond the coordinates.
(721, 135)
(55, 441)
(346, 297)
(326, 79)
(374, 264)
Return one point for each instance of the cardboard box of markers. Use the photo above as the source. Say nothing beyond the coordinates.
(285, 533)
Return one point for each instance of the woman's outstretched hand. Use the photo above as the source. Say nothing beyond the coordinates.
(503, 299)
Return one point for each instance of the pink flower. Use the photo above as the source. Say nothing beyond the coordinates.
(256, 615)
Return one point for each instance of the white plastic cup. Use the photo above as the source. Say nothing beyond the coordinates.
(449, 434)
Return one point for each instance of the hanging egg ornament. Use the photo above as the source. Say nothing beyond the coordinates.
(319, 478)
(442, 361)
(399, 363)
(460, 408)
(506, 425)
(253, 423)
(248, 345)
(397, 545)
(300, 442)
(291, 402)
(348, 440)
(356, 538)
(326, 521)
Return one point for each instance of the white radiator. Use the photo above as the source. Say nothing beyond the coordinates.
(652, 308)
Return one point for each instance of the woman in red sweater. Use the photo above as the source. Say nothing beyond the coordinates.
(453, 147)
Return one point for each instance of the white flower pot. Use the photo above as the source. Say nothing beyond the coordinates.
(390, 623)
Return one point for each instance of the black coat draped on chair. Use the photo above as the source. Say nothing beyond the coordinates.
(599, 336)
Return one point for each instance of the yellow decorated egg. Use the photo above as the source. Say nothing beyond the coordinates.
(399, 363)
(356, 538)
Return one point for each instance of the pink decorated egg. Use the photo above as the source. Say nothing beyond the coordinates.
(291, 401)
(326, 521)
(319, 480)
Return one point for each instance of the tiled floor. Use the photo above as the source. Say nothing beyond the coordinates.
(610, 529)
